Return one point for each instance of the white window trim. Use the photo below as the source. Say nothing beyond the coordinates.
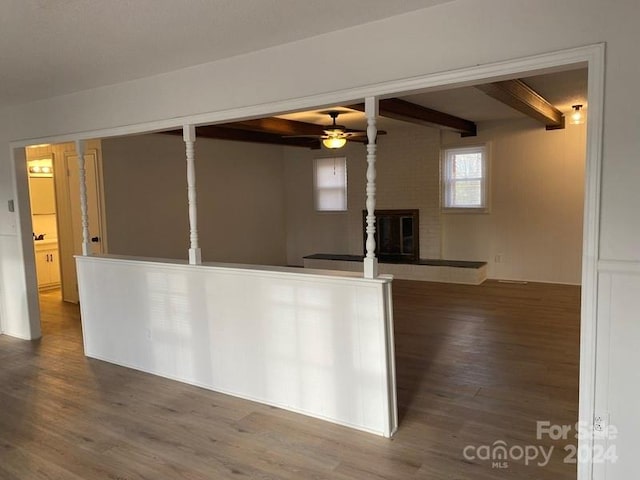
(486, 184)
(315, 187)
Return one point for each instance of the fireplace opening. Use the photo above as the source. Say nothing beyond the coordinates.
(396, 234)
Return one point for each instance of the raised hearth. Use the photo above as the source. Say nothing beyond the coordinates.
(430, 270)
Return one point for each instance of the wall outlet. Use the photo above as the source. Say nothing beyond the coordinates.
(147, 333)
(498, 258)
(600, 422)
(11, 206)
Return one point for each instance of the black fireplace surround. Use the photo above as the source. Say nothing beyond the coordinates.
(397, 235)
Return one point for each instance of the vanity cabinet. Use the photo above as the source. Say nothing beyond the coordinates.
(47, 265)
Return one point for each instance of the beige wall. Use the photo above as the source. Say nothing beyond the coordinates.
(240, 199)
(537, 189)
(534, 228)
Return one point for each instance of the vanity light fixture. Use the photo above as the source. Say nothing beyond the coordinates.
(40, 169)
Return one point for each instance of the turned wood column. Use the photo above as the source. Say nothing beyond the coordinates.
(189, 136)
(370, 260)
(84, 209)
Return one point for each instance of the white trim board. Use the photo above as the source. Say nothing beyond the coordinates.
(592, 56)
(619, 266)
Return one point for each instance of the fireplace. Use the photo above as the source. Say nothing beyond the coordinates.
(396, 234)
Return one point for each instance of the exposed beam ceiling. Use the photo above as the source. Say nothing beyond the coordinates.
(285, 128)
(519, 96)
(271, 130)
(281, 131)
(239, 135)
(402, 110)
(277, 126)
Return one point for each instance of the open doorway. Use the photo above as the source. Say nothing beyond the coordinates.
(55, 216)
(44, 220)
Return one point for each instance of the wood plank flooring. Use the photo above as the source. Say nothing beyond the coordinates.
(475, 364)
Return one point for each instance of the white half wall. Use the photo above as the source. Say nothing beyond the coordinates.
(240, 196)
(318, 344)
(618, 332)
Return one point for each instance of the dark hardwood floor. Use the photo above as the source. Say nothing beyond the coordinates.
(475, 365)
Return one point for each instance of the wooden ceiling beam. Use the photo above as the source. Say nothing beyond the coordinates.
(271, 130)
(402, 110)
(520, 96)
(225, 133)
(277, 126)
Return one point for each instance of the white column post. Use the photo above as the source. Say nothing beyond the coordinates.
(370, 260)
(189, 136)
(84, 215)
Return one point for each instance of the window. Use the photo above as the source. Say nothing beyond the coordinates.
(464, 179)
(330, 181)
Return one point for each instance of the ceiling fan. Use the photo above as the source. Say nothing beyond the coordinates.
(335, 136)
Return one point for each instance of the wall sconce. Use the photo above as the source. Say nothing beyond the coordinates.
(577, 116)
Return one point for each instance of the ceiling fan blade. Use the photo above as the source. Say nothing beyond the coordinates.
(360, 133)
(302, 136)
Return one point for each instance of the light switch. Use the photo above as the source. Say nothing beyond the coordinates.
(11, 206)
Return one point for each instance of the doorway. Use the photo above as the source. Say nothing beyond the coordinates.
(56, 217)
(42, 198)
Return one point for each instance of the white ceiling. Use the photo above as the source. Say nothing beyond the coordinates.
(53, 47)
(561, 89)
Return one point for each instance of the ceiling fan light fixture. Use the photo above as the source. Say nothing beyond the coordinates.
(334, 130)
(576, 117)
(334, 142)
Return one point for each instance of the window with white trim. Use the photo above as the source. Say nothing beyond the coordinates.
(464, 179)
(330, 182)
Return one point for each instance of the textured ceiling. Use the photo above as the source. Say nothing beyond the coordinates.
(53, 47)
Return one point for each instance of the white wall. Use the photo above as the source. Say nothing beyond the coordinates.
(400, 47)
(240, 199)
(537, 195)
(407, 177)
(619, 330)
